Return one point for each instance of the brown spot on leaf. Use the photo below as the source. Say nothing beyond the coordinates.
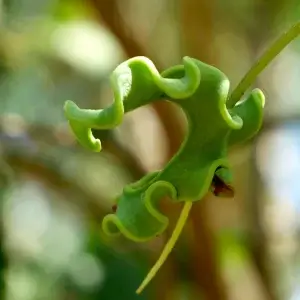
(114, 208)
(220, 188)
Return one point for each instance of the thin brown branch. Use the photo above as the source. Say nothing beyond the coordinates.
(47, 173)
(109, 14)
(123, 155)
(203, 254)
(197, 27)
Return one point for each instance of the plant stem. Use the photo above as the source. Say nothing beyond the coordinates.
(168, 247)
(262, 63)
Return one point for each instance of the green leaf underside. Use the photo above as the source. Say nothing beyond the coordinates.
(201, 91)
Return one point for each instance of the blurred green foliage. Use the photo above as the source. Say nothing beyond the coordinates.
(51, 243)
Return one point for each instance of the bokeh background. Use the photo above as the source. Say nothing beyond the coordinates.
(54, 193)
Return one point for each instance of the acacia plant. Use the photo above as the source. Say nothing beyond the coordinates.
(217, 120)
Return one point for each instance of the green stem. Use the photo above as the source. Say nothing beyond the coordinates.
(169, 246)
(262, 63)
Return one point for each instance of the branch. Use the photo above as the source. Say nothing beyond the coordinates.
(109, 14)
(197, 25)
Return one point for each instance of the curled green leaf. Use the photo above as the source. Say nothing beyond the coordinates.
(200, 165)
(135, 82)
